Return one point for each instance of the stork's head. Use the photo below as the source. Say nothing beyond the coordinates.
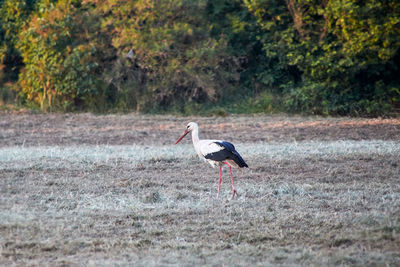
(190, 127)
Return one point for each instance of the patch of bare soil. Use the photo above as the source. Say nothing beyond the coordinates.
(78, 129)
(343, 210)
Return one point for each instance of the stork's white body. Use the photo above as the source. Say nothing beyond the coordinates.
(205, 147)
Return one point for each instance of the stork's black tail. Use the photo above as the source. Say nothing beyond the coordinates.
(239, 160)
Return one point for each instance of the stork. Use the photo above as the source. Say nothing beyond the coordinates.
(215, 152)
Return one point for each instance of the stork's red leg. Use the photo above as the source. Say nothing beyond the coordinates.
(233, 186)
(219, 182)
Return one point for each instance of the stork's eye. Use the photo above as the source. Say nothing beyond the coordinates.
(188, 127)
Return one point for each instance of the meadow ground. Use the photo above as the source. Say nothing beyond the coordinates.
(81, 189)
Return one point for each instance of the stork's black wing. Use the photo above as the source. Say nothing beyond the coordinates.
(227, 152)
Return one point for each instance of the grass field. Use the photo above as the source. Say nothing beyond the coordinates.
(81, 189)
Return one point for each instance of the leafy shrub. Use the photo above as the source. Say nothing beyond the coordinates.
(338, 57)
(59, 67)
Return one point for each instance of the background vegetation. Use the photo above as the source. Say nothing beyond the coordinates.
(337, 57)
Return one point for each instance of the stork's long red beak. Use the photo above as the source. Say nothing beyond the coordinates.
(183, 135)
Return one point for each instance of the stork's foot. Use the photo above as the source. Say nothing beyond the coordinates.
(234, 193)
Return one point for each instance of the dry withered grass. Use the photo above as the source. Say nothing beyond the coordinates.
(328, 193)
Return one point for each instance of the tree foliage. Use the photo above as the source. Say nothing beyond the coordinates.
(173, 57)
(13, 15)
(345, 53)
(59, 65)
(312, 56)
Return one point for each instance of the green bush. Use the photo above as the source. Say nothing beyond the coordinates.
(59, 70)
(338, 57)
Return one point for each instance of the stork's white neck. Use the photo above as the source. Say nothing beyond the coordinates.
(195, 136)
(196, 141)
